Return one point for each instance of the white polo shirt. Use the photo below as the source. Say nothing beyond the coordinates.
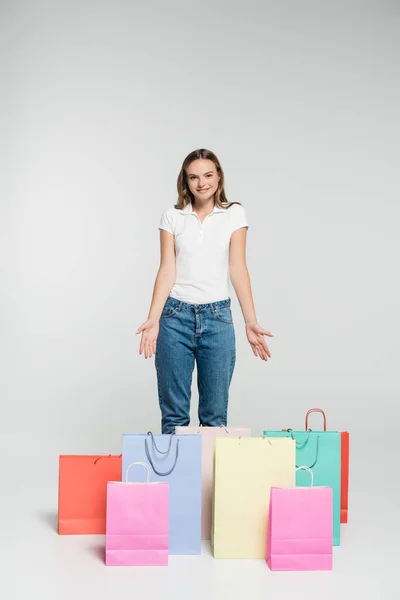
(202, 251)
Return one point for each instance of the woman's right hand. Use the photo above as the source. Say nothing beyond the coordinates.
(149, 331)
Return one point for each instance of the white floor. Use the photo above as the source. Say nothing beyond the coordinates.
(36, 562)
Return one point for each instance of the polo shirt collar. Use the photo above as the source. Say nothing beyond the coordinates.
(189, 209)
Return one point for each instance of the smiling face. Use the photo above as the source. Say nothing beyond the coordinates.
(202, 179)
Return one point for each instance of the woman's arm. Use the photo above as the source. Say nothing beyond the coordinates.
(164, 282)
(240, 279)
(165, 277)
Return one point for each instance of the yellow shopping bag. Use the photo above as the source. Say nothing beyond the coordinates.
(245, 469)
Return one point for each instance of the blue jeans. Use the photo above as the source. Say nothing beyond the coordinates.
(194, 332)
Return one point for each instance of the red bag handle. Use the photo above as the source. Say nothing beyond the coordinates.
(318, 410)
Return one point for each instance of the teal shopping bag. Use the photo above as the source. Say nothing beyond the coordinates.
(321, 452)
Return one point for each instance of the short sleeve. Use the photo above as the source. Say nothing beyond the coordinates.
(238, 217)
(167, 221)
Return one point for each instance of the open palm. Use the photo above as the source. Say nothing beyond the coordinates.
(255, 335)
(148, 343)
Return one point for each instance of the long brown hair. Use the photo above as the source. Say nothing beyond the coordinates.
(185, 196)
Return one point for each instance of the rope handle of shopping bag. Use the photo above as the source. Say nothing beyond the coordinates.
(315, 461)
(221, 427)
(109, 456)
(155, 445)
(315, 410)
(299, 444)
(138, 463)
(303, 468)
(151, 460)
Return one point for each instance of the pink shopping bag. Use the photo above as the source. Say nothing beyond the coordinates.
(300, 528)
(137, 522)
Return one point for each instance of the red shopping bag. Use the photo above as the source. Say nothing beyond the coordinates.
(82, 492)
(345, 451)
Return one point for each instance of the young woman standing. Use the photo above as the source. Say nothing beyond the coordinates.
(203, 245)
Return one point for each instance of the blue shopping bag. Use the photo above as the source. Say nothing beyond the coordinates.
(177, 460)
(321, 452)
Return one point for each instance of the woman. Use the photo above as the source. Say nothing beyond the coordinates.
(203, 245)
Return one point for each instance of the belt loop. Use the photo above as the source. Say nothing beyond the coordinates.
(179, 306)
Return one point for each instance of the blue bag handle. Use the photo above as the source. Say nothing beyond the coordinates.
(161, 452)
(155, 445)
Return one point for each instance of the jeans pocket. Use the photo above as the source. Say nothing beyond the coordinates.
(224, 315)
(168, 311)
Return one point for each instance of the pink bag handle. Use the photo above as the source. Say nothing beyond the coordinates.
(309, 470)
(317, 410)
(221, 427)
(143, 464)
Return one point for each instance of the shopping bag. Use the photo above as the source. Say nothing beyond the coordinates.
(321, 452)
(177, 460)
(244, 471)
(300, 528)
(344, 495)
(137, 522)
(345, 450)
(208, 435)
(82, 492)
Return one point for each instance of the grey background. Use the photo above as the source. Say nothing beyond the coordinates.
(100, 103)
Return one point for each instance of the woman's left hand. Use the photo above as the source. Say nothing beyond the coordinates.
(255, 335)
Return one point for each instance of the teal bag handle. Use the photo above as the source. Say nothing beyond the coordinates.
(316, 457)
(299, 444)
